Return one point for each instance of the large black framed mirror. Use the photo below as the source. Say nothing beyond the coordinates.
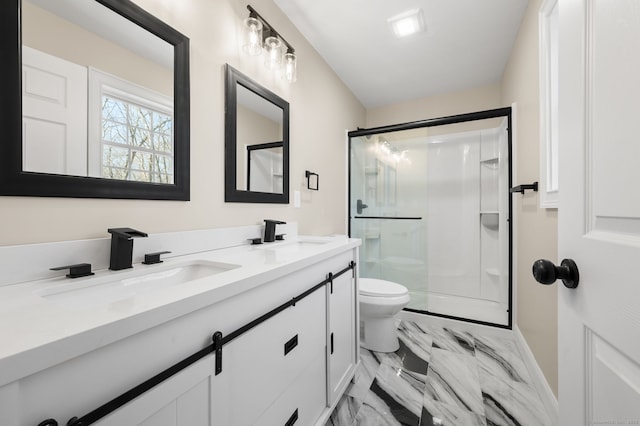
(95, 101)
(256, 142)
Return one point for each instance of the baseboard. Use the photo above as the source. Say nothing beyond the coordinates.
(544, 390)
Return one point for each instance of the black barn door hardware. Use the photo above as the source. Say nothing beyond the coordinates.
(218, 341)
(521, 188)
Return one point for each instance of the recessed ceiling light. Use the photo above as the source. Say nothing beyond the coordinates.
(407, 23)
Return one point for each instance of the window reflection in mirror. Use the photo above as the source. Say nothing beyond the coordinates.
(97, 94)
(258, 125)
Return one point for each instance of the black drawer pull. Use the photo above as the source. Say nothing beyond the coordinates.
(291, 343)
(293, 419)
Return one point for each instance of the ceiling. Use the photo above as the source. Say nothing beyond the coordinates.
(466, 44)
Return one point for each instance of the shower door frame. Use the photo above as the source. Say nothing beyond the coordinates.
(505, 112)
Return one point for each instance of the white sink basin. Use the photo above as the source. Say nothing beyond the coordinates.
(124, 285)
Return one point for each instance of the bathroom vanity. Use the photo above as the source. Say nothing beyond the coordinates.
(287, 312)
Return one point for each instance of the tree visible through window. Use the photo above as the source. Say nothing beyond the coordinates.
(137, 142)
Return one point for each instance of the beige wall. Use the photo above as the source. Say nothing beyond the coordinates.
(537, 228)
(478, 99)
(322, 109)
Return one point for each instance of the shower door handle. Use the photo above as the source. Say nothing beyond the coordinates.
(360, 206)
(545, 272)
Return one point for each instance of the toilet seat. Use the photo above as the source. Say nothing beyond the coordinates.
(373, 287)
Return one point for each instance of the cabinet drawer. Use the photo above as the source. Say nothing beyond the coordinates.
(261, 364)
(303, 402)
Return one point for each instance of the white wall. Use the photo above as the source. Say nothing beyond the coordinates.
(322, 108)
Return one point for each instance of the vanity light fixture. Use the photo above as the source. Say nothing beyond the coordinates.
(261, 37)
(407, 23)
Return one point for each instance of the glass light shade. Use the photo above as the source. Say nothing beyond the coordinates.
(253, 42)
(289, 69)
(273, 51)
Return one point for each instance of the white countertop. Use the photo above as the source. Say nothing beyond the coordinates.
(37, 333)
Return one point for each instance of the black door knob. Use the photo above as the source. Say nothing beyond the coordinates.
(545, 272)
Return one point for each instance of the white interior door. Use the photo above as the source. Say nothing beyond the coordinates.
(599, 216)
(54, 114)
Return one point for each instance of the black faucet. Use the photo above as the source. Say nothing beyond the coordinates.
(270, 229)
(122, 247)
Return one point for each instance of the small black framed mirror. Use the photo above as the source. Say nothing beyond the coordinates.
(256, 142)
(120, 126)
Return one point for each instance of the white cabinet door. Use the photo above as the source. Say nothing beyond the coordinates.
(599, 213)
(303, 402)
(341, 336)
(183, 399)
(260, 365)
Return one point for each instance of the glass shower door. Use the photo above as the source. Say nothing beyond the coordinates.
(387, 209)
(431, 205)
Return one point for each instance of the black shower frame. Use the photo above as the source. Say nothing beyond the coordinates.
(442, 121)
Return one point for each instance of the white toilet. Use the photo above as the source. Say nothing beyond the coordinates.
(380, 301)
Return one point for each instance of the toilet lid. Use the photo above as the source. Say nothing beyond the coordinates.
(380, 288)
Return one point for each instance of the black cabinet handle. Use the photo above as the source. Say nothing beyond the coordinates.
(292, 419)
(291, 343)
(545, 272)
(331, 343)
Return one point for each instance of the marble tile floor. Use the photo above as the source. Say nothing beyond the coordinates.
(441, 375)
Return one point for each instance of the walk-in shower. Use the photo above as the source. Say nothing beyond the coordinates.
(430, 201)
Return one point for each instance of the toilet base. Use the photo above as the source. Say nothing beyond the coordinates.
(379, 334)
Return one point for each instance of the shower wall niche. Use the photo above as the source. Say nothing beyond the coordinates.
(431, 205)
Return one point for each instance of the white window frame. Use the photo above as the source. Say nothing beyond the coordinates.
(101, 83)
(548, 58)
